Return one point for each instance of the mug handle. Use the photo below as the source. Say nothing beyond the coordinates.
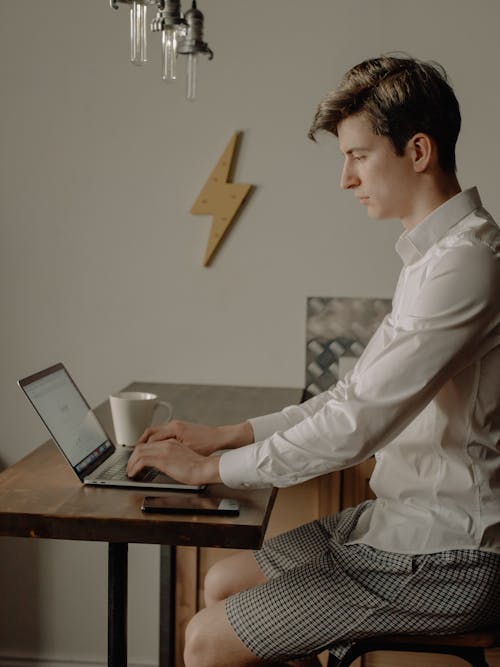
(164, 404)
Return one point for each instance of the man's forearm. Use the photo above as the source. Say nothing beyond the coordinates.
(236, 435)
(208, 471)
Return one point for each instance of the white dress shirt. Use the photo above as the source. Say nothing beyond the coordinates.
(424, 398)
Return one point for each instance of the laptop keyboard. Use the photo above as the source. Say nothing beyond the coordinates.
(118, 471)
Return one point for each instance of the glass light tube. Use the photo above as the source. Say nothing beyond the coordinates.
(169, 52)
(191, 76)
(138, 29)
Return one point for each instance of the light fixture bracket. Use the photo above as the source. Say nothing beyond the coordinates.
(168, 16)
(193, 42)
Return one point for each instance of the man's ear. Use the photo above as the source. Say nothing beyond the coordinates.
(423, 151)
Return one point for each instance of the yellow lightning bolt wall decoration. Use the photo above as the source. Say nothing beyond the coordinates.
(221, 198)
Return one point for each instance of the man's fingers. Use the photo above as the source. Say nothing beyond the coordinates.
(165, 431)
(147, 455)
(159, 435)
(146, 435)
(135, 461)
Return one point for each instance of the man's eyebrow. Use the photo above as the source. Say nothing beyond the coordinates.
(356, 149)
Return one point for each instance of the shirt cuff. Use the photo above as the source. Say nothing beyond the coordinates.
(264, 427)
(237, 469)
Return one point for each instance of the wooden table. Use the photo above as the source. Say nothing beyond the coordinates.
(40, 497)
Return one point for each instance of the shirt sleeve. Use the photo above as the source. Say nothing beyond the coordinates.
(437, 331)
(265, 426)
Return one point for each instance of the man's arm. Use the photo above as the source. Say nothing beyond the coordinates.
(175, 460)
(182, 450)
(404, 366)
(199, 437)
(440, 330)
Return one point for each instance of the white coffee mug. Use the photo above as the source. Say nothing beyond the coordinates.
(133, 412)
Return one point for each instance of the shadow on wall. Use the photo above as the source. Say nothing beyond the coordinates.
(20, 611)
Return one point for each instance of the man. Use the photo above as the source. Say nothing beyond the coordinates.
(423, 398)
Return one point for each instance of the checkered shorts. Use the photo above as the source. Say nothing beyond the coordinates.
(324, 594)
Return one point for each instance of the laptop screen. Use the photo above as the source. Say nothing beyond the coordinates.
(67, 416)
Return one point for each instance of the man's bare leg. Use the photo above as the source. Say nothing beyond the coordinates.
(226, 577)
(212, 642)
(232, 575)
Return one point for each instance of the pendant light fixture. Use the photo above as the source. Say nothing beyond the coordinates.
(180, 34)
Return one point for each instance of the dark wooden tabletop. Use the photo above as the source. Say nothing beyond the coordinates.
(41, 497)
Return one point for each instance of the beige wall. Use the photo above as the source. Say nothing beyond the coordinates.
(100, 260)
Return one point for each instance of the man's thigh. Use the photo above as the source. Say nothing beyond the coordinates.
(232, 575)
(210, 640)
(290, 615)
(280, 599)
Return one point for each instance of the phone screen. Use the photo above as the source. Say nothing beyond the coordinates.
(187, 504)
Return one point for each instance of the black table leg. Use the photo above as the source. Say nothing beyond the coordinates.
(117, 604)
(167, 606)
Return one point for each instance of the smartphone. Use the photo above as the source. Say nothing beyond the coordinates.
(184, 504)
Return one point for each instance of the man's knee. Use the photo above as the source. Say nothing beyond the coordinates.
(196, 651)
(215, 585)
(231, 575)
(211, 641)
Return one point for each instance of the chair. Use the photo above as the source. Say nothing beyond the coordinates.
(469, 646)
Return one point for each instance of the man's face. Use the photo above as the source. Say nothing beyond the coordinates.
(380, 179)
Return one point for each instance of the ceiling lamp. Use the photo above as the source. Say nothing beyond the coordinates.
(180, 34)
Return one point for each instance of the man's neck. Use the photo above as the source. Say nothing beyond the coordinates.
(433, 193)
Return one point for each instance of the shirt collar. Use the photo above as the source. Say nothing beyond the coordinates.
(413, 244)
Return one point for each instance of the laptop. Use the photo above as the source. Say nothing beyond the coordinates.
(82, 439)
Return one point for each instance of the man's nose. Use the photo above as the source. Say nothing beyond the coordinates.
(348, 179)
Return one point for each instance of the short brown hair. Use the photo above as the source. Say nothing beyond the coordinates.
(400, 96)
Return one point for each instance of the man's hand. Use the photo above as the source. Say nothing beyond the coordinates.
(199, 438)
(176, 460)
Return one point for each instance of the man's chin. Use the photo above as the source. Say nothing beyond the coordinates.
(373, 214)
(376, 214)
